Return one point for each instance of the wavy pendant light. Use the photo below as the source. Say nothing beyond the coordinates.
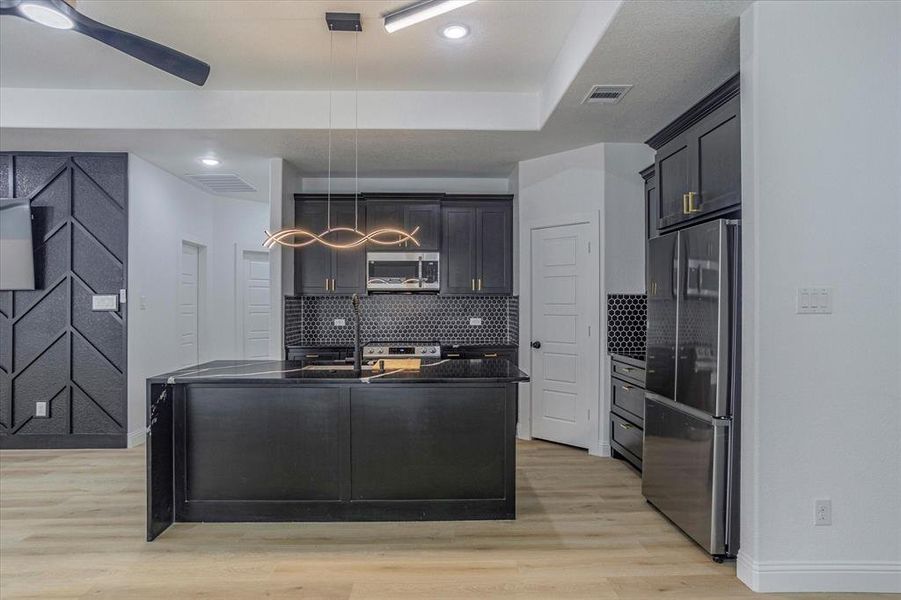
(385, 236)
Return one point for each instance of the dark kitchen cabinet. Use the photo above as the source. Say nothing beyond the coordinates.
(407, 212)
(477, 248)
(698, 161)
(475, 352)
(650, 202)
(458, 251)
(318, 269)
(627, 408)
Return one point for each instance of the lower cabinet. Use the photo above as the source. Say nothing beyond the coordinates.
(470, 352)
(627, 409)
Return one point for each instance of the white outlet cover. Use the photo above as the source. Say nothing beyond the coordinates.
(822, 512)
(340, 322)
(475, 321)
(40, 409)
(108, 302)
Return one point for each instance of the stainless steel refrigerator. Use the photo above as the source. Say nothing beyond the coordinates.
(691, 436)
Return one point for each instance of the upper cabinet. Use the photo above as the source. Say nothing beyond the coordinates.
(698, 162)
(477, 248)
(407, 212)
(318, 269)
(650, 202)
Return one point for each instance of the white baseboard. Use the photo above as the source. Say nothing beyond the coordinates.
(602, 450)
(521, 432)
(136, 438)
(787, 576)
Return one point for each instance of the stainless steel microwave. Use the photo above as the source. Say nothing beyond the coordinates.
(402, 272)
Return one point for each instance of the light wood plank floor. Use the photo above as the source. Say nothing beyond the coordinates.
(72, 526)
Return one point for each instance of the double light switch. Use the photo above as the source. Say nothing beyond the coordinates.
(815, 300)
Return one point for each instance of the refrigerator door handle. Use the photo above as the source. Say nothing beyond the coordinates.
(688, 410)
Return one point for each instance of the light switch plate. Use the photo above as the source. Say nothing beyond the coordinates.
(814, 301)
(340, 322)
(40, 410)
(109, 302)
(475, 321)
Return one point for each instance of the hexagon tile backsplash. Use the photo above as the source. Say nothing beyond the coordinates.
(310, 320)
(627, 316)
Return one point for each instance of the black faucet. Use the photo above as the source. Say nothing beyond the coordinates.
(358, 351)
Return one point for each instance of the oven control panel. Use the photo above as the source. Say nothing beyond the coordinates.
(401, 350)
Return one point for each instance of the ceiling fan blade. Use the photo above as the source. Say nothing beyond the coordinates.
(162, 57)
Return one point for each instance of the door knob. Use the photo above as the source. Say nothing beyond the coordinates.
(536, 344)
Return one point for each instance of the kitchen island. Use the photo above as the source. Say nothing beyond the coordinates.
(279, 441)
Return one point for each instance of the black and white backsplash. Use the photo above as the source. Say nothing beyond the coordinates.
(627, 323)
(310, 320)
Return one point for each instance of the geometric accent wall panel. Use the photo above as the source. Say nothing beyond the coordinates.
(53, 347)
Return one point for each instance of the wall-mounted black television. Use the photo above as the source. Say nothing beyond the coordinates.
(16, 248)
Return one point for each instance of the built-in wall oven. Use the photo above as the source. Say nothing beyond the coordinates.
(402, 272)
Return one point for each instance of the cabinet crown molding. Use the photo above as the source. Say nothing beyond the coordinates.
(701, 109)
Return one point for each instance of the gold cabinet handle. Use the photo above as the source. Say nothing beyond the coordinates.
(684, 204)
(453, 355)
(628, 388)
(326, 284)
(492, 355)
(628, 369)
(480, 285)
(473, 285)
(625, 426)
(691, 203)
(311, 356)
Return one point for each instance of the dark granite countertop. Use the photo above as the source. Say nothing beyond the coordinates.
(495, 370)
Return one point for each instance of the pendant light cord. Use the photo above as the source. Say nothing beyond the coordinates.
(356, 128)
(331, 69)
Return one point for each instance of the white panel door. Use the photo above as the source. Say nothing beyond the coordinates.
(188, 305)
(255, 304)
(561, 367)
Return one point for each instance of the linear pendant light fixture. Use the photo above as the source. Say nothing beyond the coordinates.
(419, 12)
(385, 236)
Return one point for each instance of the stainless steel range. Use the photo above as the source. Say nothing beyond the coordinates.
(402, 350)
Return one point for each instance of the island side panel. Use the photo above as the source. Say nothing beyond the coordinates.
(428, 443)
(240, 446)
(159, 455)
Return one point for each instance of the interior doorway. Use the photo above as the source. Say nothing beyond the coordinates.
(564, 348)
(254, 304)
(189, 282)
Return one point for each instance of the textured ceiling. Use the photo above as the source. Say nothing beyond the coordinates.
(673, 52)
(279, 45)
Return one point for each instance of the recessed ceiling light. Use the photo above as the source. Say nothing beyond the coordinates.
(455, 32)
(46, 16)
(210, 162)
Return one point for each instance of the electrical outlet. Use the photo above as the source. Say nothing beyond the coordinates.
(475, 321)
(822, 512)
(814, 300)
(40, 410)
(340, 322)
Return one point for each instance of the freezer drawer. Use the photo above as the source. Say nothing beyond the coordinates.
(685, 470)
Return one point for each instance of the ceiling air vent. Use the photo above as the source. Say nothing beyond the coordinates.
(606, 94)
(221, 183)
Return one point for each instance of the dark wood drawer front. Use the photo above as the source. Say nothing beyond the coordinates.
(629, 397)
(628, 371)
(626, 434)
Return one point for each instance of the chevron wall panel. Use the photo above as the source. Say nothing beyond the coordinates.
(53, 347)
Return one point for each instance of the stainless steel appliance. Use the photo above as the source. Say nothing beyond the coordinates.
(402, 272)
(691, 435)
(402, 350)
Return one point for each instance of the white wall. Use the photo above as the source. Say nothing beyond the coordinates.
(163, 211)
(624, 224)
(821, 193)
(284, 180)
(578, 183)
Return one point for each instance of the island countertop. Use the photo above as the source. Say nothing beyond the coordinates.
(493, 370)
